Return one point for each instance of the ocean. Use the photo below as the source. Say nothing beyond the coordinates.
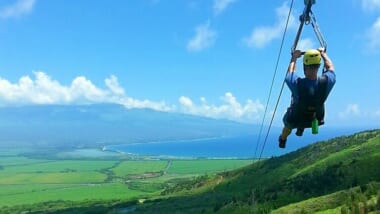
(247, 146)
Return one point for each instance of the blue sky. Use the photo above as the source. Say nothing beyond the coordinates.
(212, 58)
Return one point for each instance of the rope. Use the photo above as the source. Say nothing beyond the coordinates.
(271, 89)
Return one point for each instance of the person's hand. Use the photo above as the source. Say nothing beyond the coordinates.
(322, 50)
(296, 54)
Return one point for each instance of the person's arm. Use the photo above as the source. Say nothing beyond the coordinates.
(291, 76)
(328, 63)
(329, 73)
(293, 61)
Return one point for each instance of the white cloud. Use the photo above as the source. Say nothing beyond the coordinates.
(204, 37)
(186, 104)
(377, 113)
(370, 5)
(113, 84)
(19, 8)
(261, 36)
(230, 109)
(83, 90)
(221, 5)
(203, 100)
(351, 110)
(359, 116)
(373, 36)
(305, 44)
(42, 89)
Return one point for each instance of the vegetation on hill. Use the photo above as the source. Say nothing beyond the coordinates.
(340, 175)
(320, 169)
(360, 199)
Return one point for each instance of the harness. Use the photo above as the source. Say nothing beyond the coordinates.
(310, 103)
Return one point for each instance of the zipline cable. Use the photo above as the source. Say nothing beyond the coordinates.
(266, 107)
(271, 89)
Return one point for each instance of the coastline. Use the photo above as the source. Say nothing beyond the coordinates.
(198, 148)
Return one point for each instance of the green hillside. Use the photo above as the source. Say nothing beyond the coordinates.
(361, 199)
(324, 170)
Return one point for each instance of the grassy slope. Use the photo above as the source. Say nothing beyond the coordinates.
(201, 167)
(333, 203)
(320, 169)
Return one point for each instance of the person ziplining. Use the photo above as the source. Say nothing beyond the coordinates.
(310, 92)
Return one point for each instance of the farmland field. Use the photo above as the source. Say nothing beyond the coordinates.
(23, 194)
(138, 167)
(199, 167)
(16, 161)
(27, 181)
(61, 165)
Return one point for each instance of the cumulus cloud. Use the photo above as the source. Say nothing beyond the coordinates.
(261, 36)
(186, 102)
(42, 89)
(204, 37)
(373, 36)
(370, 5)
(19, 8)
(113, 84)
(360, 116)
(221, 5)
(305, 44)
(229, 109)
(351, 110)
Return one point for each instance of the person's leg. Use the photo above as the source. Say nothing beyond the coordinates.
(299, 132)
(285, 131)
(284, 135)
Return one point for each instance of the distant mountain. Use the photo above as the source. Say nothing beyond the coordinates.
(100, 124)
(341, 174)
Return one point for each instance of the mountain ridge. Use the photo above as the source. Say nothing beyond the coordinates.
(102, 124)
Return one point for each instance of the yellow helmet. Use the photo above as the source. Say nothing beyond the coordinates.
(312, 57)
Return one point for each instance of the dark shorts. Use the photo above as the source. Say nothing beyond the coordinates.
(287, 123)
(292, 122)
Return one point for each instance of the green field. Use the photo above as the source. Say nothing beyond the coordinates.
(27, 181)
(61, 166)
(24, 194)
(126, 168)
(199, 167)
(17, 161)
(52, 178)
